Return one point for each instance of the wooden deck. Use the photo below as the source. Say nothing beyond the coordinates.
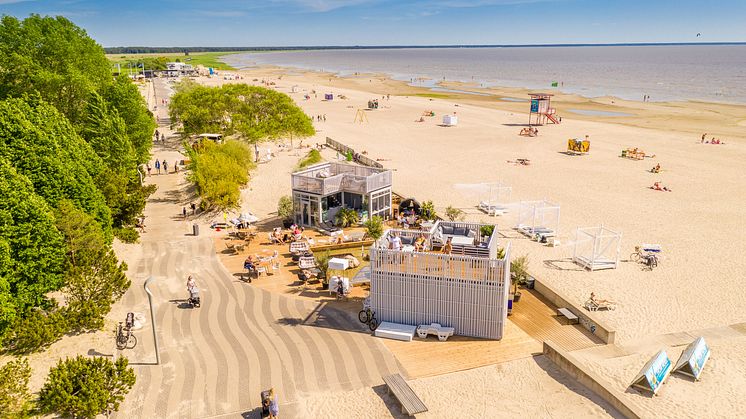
(428, 357)
(538, 318)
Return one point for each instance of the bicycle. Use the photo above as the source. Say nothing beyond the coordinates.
(368, 316)
(125, 338)
(650, 260)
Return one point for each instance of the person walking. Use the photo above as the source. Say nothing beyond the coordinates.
(158, 166)
(194, 208)
(147, 165)
(165, 167)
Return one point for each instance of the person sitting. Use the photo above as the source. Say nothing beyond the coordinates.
(297, 234)
(525, 131)
(448, 247)
(419, 243)
(656, 169)
(277, 234)
(600, 301)
(249, 265)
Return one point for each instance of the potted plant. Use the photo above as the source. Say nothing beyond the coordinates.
(285, 211)
(374, 227)
(518, 275)
(322, 264)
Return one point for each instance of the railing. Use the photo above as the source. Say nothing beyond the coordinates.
(378, 181)
(437, 266)
(341, 177)
(362, 159)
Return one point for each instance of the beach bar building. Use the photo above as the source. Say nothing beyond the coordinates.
(320, 191)
(467, 289)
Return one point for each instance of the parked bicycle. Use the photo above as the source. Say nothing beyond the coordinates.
(368, 316)
(125, 338)
(640, 255)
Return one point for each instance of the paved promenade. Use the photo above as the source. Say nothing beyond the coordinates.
(216, 359)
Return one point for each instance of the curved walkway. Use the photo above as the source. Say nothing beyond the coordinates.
(216, 359)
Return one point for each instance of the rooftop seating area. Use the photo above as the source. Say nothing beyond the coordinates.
(331, 177)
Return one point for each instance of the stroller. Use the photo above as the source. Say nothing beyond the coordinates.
(194, 300)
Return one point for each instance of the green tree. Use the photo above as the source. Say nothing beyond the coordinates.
(105, 131)
(31, 248)
(42, 145)
(139, 123)
(219, 170)
(285, 208)
(255, 113)
(14, 394)
(51, 56)
(313, 157)
(86, 387)
(374, 227)
(94, 280)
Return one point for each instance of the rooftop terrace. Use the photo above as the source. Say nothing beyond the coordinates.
(330, 178)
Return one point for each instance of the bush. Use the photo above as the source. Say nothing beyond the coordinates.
(285, 208)
(36, 331)
(346, 217)
(519, 271)
(427, 210)
(219, 171)
(375, 227)
(86, 387)
(14, 395)
(127, 234)
(311, 158)
(454, 214)
(486, 231)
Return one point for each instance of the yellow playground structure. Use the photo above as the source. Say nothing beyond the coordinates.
(578, 146)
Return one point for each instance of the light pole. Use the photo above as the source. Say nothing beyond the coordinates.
(152, 320)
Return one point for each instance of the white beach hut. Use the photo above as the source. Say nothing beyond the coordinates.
(597, 248)
(538, 219)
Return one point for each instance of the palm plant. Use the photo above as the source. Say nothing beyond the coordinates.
(346, 217)
(518, 274)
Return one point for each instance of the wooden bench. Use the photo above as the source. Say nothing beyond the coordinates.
(572, 318)
(410, 403)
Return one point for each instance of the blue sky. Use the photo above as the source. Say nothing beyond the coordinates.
(388, 22)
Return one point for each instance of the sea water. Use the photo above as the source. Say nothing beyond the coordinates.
(663, 72)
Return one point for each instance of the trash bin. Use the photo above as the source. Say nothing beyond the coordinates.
(530, 283)
(195, 229)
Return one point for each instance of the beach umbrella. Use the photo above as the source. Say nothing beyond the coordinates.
(248, 217)
(410, 204)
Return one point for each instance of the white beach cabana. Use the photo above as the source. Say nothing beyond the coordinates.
(538, 219)
(496, 200)
(597, 248)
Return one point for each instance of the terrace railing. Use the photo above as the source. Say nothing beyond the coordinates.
(341, 177)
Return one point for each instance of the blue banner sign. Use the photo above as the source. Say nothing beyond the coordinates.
(654, 373)
(534, 105)
(693, 359)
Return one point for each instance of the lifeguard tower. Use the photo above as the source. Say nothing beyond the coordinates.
(541, 109)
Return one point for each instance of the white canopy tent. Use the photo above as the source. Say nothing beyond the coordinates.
(538, 219)
(597, 248)
(497, 199)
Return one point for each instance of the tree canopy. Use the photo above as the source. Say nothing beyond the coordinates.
(51, 56)
(255, 113)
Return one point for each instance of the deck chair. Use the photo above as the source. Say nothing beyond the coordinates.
(595, 305)
(307, 262)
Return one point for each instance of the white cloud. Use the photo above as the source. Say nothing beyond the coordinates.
(220, 13)
(326, 5)
(13, 1)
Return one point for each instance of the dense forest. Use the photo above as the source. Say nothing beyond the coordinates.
(72, 139)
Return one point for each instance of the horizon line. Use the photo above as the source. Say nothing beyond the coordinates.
(404, 46)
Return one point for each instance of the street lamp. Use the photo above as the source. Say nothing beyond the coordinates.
(152, 320)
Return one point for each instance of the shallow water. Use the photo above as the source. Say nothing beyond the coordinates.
(666, 72)
(587, 112)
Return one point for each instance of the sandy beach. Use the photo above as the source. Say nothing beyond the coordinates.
(694, 291)
(696, 284)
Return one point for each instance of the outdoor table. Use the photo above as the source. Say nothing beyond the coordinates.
(462, 241)
(407, 248)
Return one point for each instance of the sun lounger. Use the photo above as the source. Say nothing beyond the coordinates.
(595, 305)
(299, 247)
(492, 209)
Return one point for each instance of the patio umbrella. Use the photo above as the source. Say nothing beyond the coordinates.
(409, 205)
